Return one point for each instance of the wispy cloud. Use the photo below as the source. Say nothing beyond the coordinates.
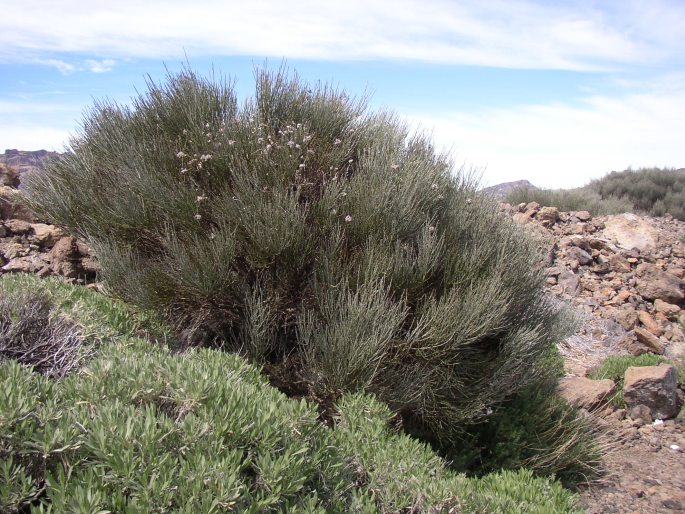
(561, 145)
(64, 67)
(505, 33)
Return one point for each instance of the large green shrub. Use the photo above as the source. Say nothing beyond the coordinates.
(328, 242)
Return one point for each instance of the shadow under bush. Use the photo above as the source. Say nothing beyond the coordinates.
(307, 233)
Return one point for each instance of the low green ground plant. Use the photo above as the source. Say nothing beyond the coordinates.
(614, 368)
(139, 428)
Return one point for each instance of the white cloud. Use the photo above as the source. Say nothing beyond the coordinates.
(505, 33)
(559, 145)
(101, 66)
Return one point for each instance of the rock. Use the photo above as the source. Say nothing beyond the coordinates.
(27, 264)
(626, 317)
(20, 227)
(585, 393)
(667, 309)
(618, 263)
(569, 282)
(522, 218)
(3, 231)
(8, 176)
(650, 323)
(46, 235)
(580, 255)
(629, 231)
(11, 206)
(653, 283)
(653, 386)
(64, 258)
(641, 414)
(548, 216)
(583, 215)
(649, 340)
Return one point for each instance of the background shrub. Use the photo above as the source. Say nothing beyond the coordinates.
(330, 243)
(650, 191)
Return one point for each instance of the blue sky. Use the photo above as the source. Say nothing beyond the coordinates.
(554, 92)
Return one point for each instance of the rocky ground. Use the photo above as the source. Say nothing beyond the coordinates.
(622, 274)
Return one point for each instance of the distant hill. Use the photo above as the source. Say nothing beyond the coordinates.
(25, 161)
(500, 191)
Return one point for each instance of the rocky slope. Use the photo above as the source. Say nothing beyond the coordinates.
(624, 276)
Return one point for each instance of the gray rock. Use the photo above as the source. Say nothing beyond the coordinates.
(653, 386)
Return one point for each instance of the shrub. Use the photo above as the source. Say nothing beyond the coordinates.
(614, 368)
(653, 191)
(581, 199)
(303, 231)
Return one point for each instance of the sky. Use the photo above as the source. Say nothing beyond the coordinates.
(557, 93)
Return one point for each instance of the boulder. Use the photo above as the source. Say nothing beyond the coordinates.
(579, 255)
(585, 393)
(667, 309)
(650, 323)
(548, 216)
(11, 206)
(8, 176)
(652, 283)
(626, 317)
(569, 282)
(649, 340)
(64, 258)
(46, 235)
(28, 264)
(653, 386)
(630, 231)
(19, 227)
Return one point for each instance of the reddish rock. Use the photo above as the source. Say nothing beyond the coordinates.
(64, 258)
(46, 235)
(585, 393)
(11, 206)
(653, 283)
(19, 227)
(667, 309)
(649, 340)
(650, 323)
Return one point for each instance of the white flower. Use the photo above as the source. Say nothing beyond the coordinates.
(205, 157)
(337, 142)
(301, 165)
(180, 155)
(231, 142)
(198, 217)
(201, 198)
(348, 218)
(434, 187)
(184, 171)
(394, 166)
(351, 161)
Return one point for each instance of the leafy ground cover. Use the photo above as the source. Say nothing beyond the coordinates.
(140, 428)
